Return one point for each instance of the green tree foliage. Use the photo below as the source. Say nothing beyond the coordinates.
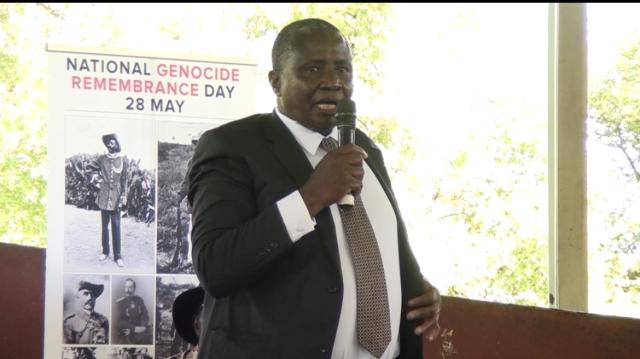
(23, 146)
(473, 205)
(614, 108)
(365, 26)
(615, 104)
(490, 191)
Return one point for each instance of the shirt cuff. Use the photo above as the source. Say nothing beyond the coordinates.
(295, 216)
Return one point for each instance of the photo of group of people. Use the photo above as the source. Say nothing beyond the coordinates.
(127, 247)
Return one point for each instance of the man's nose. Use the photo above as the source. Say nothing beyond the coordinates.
(331, 80)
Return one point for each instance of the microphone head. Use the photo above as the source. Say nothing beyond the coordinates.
(346, 106)
(346, 113)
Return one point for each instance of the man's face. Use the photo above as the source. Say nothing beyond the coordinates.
(87, 299)
(111, 145)
(129, 287)
(312, 78)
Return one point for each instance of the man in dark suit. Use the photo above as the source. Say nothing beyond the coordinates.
(268, 240)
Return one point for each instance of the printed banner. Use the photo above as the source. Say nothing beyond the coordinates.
(123, 128)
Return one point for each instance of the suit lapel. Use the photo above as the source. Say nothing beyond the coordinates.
(287, 150)
(296, 164)
(376, 164)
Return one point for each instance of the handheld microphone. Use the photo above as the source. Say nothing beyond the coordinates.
(346, 123)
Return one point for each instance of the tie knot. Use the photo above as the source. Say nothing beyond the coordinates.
(328, 144)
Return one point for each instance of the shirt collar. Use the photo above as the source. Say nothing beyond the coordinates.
(308, 139)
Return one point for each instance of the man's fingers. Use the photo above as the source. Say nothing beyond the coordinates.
(431, 332)
(429, 329)
(424, 300)
(423, 312)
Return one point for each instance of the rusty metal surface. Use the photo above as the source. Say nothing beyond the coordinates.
(476, 329)
(470, 329)
(21, 301)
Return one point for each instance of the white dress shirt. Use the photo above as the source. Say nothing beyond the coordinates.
(383, 220)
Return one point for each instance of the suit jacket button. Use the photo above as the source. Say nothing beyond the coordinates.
(332, 288)
(324, 350)
(273, 245)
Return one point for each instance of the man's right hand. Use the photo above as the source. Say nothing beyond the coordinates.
(338, 173)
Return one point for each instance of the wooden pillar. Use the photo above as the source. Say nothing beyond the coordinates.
(567, 158)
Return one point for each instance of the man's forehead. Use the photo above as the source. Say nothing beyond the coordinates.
(309, 39)
(320, 51)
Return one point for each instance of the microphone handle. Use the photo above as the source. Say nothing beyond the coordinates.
(347, 201)
(346, 135)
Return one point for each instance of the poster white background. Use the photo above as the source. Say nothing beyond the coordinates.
(146, 100)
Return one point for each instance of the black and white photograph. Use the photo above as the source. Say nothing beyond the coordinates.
(168, 341)
(130, 353)
(109, 213)
(84, 353)
(112, 352)
(176, 143)
(86, 309)
(132, 308)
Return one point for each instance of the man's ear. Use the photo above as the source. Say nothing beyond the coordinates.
(274, 80)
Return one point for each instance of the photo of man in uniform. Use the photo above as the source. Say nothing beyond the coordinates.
(133, 324)
(85, 325)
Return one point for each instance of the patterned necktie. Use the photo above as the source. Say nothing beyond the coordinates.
(374, 330)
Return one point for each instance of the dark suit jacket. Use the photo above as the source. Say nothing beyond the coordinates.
(273, 298)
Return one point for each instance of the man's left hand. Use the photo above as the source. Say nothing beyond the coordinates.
(427, 307)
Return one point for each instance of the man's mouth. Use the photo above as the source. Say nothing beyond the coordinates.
(328, 106)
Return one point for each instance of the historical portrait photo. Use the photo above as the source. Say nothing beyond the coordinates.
(130, 353)
(176, 142)
(86, 309)
(132, 310)
(109, 213)
(112, 352)
(168, 341)
(84, 352)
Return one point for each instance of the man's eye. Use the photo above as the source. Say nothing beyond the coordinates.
(313, 69)
(344, 69)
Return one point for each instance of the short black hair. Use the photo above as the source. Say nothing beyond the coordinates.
(285, 40)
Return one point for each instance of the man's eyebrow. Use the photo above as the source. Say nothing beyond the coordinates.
(315, 62)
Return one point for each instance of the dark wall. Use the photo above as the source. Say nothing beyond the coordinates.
(476, 329)
(21, 301)
(470, 329)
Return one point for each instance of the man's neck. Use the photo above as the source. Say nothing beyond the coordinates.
(85, 314)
